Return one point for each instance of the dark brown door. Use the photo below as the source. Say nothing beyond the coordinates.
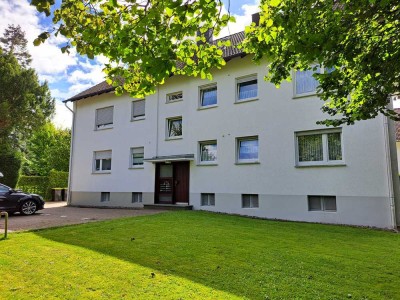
(181, 182)
(172, 183)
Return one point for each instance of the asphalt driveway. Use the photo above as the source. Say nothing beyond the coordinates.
(59, 214)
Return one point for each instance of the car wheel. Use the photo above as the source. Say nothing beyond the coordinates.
(29, 207)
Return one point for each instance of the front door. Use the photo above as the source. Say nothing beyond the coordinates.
(172, 183)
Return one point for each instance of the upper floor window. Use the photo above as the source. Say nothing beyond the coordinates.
(137, 156)
(104, 117)
(102, 161)
(246, 88)
(174, 127)
(322, 147)
(208, 95)
(305, 83)
(138, 109)
(208, 152)
(173, 97)
(247, 149)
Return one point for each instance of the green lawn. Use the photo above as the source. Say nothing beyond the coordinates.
(198, 255)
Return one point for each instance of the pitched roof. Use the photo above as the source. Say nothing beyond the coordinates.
(228, 53)
(397, 126)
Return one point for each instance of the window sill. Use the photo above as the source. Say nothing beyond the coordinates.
(305, 95)
(321, 165)
(103, 128)
(324, 211)
(138, 119)
(246, 100)
(136, 167)
(250, 207)
(207, 107)
(247, 163)
(173, 138)
(205, 164)
(174, 101)
(101, 172)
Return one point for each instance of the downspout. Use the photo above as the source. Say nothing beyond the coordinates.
(389, 171)
(71, 149)
(157, 121)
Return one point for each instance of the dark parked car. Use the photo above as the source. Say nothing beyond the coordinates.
(13, 201)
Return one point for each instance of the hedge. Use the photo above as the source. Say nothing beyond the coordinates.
(42, 185)
(10, 164)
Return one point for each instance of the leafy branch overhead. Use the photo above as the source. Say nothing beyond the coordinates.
(360, 40)
(145, 41)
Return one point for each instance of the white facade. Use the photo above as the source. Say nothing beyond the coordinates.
(361, 181)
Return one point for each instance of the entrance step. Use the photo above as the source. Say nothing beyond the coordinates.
(169, 206)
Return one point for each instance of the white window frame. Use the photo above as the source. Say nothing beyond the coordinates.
(242, 80)
(137, 196)
(103, 126)
(322, 202)
(210, 199)
(137, 118)
(131, 165)
(325, 151)
(174, 94)
(247, 161)
(167, 136)
(322, 70)
(105, 197)
(252, 197)
(201, 92)
(207, 162)
(101, 163)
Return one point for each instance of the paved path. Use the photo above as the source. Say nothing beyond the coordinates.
(59, 214)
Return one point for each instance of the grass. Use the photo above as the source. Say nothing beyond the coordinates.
(198, 255)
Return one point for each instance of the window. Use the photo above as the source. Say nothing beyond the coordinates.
(247, 149)
(102, 161)
(321, 203)
(105, 197)
(137, 155)
(246, 88)
(136, 197)
(208, 152)
(174, 127)
(104, 117)
(173, 97)
(319, 148)
(305, 83)
(249, 201)
(207, 199)
(3, 189)
(138, 109)
(208, 96)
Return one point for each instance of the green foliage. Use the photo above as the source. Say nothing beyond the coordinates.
(34, 184)
(144, 41)
(14, 42)
(197, 255)
(10, 165)
(48, 148)
(43, 185)
(360, 39)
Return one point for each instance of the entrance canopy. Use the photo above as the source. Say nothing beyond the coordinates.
(170, 158)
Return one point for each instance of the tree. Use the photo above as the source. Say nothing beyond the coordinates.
(146, 41)
(14, 43)
(47, 149)
(24, 103)
(359, 40)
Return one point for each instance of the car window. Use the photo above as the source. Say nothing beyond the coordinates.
(3, 189)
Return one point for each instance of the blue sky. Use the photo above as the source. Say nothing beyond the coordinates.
(68, 75)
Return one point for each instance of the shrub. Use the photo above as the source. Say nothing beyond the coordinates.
(10, 164)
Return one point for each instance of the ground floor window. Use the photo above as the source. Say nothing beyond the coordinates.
(105, 197)
(136, 197)
(321, 203)
(249, 201)
(207, 199)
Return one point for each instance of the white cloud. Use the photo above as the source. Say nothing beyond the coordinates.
(63, 117)
(241, 20)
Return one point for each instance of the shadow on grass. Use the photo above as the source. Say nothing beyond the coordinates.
(247, 257)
